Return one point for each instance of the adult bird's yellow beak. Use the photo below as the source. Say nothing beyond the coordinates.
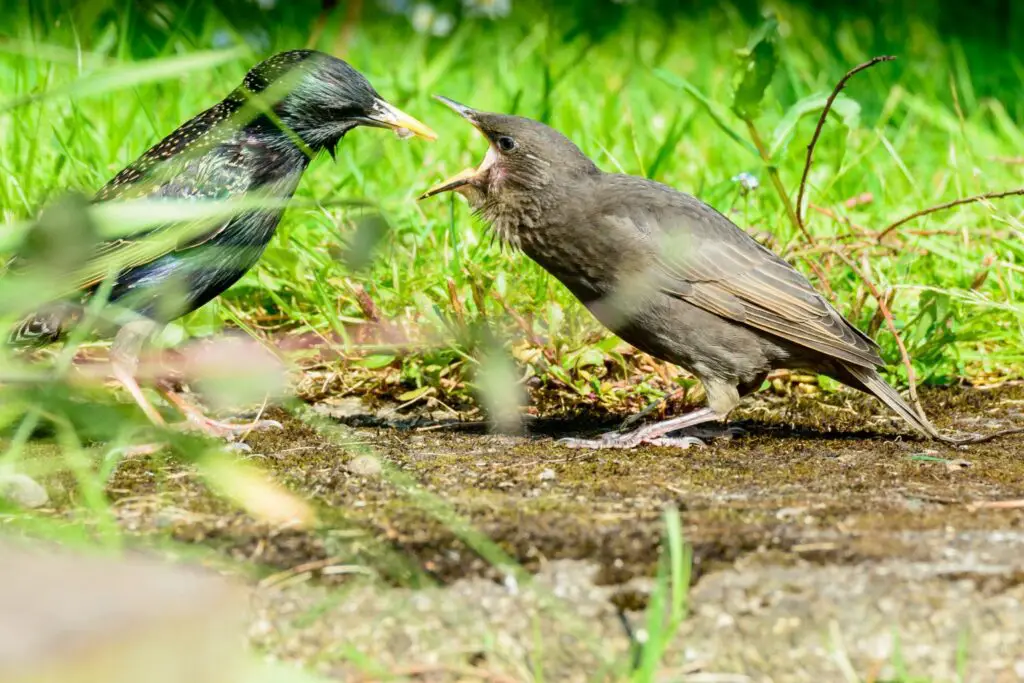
(385, 115)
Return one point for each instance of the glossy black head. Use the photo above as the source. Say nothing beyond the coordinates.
(523, 156)
(321, 98)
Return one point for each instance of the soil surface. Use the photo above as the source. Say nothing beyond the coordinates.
(825, 545)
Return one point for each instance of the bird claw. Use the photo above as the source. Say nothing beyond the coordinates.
(609, 440)
(226, 430)
(724, 433)
(683, 442)
(629, 440)
(144, 449)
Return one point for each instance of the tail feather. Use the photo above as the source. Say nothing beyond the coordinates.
(870, 381)
(45, 326)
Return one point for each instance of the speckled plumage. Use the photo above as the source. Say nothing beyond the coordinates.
(227, 152)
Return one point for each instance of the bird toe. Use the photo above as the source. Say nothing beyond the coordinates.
(609, 440)
(683, 442)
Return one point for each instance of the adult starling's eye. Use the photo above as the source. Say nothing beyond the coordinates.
(506, 144)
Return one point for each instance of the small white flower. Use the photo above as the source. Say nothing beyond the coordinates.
(747, 182)
(422, 17)
(443, 25)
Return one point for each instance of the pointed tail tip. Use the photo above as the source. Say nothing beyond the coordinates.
(884, 392)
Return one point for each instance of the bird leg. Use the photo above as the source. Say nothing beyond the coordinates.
(196, 419)
(654, 434)
(124, 362)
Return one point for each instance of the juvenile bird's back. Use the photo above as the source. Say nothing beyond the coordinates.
(695, 253)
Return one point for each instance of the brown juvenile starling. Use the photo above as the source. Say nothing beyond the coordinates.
(665, 272)
(257, 142)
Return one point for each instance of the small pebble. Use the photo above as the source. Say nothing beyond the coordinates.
(23, 491)
(548, 475)
(365, 466)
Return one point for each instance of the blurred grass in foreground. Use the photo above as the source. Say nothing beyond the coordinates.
(87, 89)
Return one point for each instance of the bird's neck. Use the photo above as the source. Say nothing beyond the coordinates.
(517, 215)
(546, 226)
(283, 144)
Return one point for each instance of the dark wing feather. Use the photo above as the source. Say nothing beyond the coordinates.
(200, 160)
(701, 257)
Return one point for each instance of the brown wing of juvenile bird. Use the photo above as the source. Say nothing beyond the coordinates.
(700, 256)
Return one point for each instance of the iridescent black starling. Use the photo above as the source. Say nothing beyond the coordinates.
(255, 143)
(665, 272)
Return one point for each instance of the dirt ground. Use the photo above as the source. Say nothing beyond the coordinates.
(825, 546)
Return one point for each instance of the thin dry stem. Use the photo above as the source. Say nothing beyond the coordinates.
(526, 327)
(457, 308)
(821, 124)
(365, 302)
(891, 324)
(948, 205)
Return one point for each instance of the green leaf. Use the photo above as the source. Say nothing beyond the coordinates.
(589, 357)
(757, 67)
(847, 109)
(377, 361)
(415, 394)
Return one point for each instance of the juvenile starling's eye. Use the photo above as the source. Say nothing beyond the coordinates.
(506, 144)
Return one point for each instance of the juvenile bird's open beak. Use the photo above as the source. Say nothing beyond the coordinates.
(460, 179)
(462, 110)
(385, 115)
(469, 176)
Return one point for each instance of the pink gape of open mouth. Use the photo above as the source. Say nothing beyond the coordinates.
(488, 173)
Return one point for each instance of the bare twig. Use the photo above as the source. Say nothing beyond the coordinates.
(821, 123)
(996, 505)
(365, 302)
(822, 278)
(330, 563)
(971, 440)
(948, 205)
(891, 324)
(424, 670)
(520, 321)
(457, 308)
